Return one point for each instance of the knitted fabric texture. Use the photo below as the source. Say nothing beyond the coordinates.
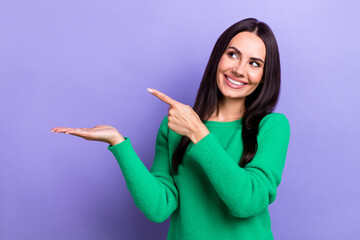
(211, 197)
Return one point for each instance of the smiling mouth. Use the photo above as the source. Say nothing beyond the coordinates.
(235, 82)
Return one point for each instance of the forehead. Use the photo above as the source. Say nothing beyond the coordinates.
(249, 44)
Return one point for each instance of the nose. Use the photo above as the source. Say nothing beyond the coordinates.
(239, 69)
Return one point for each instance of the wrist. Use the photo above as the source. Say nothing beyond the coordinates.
(116, 140)
(199, 133)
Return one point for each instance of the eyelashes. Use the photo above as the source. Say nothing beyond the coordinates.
(257, 65)
(231, 54)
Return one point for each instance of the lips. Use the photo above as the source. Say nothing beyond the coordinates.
(234, 78)
(232, 85)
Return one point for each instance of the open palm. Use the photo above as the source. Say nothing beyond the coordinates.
(103, 133)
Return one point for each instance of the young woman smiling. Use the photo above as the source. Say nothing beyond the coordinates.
(217, 165)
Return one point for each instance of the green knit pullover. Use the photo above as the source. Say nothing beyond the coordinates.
(211, 197)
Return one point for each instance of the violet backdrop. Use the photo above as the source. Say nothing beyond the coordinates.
(83, 63)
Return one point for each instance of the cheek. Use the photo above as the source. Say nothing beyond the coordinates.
(255, 76)
(220, 70)
(222, 64)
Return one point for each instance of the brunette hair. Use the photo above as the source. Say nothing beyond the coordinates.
(258, 104)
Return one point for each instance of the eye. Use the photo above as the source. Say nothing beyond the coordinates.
(255, 64)
(232, 54)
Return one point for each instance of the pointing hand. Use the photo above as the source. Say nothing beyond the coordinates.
(182, 119)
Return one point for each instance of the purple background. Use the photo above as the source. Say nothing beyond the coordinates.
(83, 63)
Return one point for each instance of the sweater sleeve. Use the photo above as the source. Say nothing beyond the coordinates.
(154, 192)
(247, 191)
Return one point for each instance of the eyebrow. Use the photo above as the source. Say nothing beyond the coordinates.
(252, 58)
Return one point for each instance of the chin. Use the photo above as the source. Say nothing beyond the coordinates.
(227, 94)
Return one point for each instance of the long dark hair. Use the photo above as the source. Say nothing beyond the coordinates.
(258, 104)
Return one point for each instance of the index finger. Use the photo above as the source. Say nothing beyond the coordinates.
(163, 97)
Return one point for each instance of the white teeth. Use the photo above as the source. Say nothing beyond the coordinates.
(235, 82)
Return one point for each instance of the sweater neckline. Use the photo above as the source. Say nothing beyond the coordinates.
(235, 123)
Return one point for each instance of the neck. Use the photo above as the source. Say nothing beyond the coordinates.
(229, 109)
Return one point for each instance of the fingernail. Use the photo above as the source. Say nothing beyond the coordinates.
(52, 131)
(150, 90)
(66, 133)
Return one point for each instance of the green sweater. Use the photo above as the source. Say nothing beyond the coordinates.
(211, 197)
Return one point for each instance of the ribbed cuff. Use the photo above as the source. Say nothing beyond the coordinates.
(122, 149)
(204, 147)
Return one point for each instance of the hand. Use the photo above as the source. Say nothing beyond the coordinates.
(182, 119)
(102, 133)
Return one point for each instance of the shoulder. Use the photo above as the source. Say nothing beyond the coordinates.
(274, 122)
(164, 124)
(274, 118)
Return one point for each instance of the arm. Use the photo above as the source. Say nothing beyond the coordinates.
(154, 192)
(247, 191)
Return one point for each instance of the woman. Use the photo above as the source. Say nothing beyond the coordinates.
(217, 166)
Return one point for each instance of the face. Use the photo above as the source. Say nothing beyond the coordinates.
(240, 68)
